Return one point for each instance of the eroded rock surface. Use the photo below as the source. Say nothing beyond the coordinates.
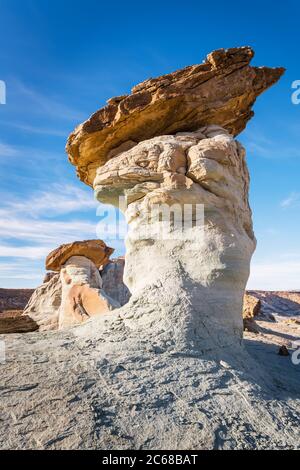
(109, 384)
(222, 91)
(75, 293)
(251, 307)
(95, 250)
(43, 306)
(112, 280)
(82, 293)
(194, 276)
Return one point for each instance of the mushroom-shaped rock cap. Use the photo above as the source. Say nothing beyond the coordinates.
(95, 250)
(222, 91)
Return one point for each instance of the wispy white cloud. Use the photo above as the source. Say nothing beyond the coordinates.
(33, 226)
(42, 232)
(263, 146)
(7, 150)
(30, 228)
(56, 200)
(47, 105)
(21, 273)
(21, 153)
(292, 200)
(31, 252)
(35, 129)
(21, 276)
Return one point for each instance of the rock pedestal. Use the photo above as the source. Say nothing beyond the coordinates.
(167, 145)
(190, 236)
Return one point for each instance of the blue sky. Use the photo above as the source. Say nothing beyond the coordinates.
(61, 60)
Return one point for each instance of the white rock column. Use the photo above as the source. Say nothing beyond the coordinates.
(187, 280)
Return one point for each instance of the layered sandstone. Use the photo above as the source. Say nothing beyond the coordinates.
(12, 321)
(95, 250)
(251, 306)
(169, 146)
(222, 91)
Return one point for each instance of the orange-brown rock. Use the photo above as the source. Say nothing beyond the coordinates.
(82, 294)
(73, 295)
(251, 307)
(95, 250)
(81, 303)
(12, 321)
(221, 91)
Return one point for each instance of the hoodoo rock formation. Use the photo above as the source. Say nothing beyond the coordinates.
(169, 147)
(189, 268)
(75, 294)
(169, 369)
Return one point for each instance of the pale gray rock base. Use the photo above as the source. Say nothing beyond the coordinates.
(112, 281)
(113, 384)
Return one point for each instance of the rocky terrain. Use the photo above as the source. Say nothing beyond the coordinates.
(88, 388)
(171, 368)
(280, 305)
(12, 304)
